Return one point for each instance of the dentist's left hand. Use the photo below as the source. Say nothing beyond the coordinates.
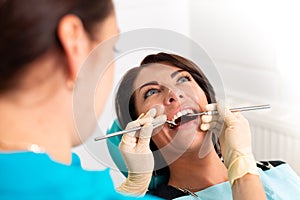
(137, 155)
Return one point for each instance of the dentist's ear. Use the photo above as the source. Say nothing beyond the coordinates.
(75, 43)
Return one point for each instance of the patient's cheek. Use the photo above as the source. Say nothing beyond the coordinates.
(160, 110)
(199, 97)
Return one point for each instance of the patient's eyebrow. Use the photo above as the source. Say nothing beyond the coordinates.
(149, 83)
(176, 72)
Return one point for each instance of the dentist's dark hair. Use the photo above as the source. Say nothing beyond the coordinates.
(29, 30)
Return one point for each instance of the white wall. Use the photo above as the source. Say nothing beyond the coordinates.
(254, 45)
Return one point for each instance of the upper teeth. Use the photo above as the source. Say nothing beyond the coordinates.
(181, 113)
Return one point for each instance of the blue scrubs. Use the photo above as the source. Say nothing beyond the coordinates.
(28, 175)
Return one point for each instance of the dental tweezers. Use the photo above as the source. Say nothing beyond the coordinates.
(214, 112)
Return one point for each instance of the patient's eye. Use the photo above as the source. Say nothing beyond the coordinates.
(150, 92)
(183, 79)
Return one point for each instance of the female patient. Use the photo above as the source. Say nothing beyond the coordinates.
(178, 87)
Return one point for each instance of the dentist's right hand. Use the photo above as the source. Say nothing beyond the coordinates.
(235, 142)
(137, 155)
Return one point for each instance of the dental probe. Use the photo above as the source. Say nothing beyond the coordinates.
(131, 130)
(239, 109)
(214, 112)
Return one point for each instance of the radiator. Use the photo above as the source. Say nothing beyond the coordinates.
(274, 139)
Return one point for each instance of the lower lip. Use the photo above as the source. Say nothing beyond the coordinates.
(189, 124)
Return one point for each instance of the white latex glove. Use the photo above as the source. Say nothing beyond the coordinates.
(212, 125)
(235, 142)
(137, 155)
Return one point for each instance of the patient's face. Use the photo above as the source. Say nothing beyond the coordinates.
(178, 93)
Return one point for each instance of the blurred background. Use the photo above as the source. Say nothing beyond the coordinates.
(255, 48)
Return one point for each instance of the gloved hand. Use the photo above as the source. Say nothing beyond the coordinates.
(235, 142)
(137, 155)
(212, 125)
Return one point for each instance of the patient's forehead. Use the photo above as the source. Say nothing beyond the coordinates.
(155, 72)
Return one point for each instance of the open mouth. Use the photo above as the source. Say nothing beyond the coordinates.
(181, 118)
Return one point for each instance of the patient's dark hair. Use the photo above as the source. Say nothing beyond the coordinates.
(125, 101)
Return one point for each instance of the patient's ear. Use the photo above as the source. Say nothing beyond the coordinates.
(75, 42)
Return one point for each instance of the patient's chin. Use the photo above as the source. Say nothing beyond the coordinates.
(188, 142)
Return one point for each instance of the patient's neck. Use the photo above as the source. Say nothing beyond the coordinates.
(196, 174)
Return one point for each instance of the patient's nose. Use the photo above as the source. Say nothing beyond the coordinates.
(172, 97)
